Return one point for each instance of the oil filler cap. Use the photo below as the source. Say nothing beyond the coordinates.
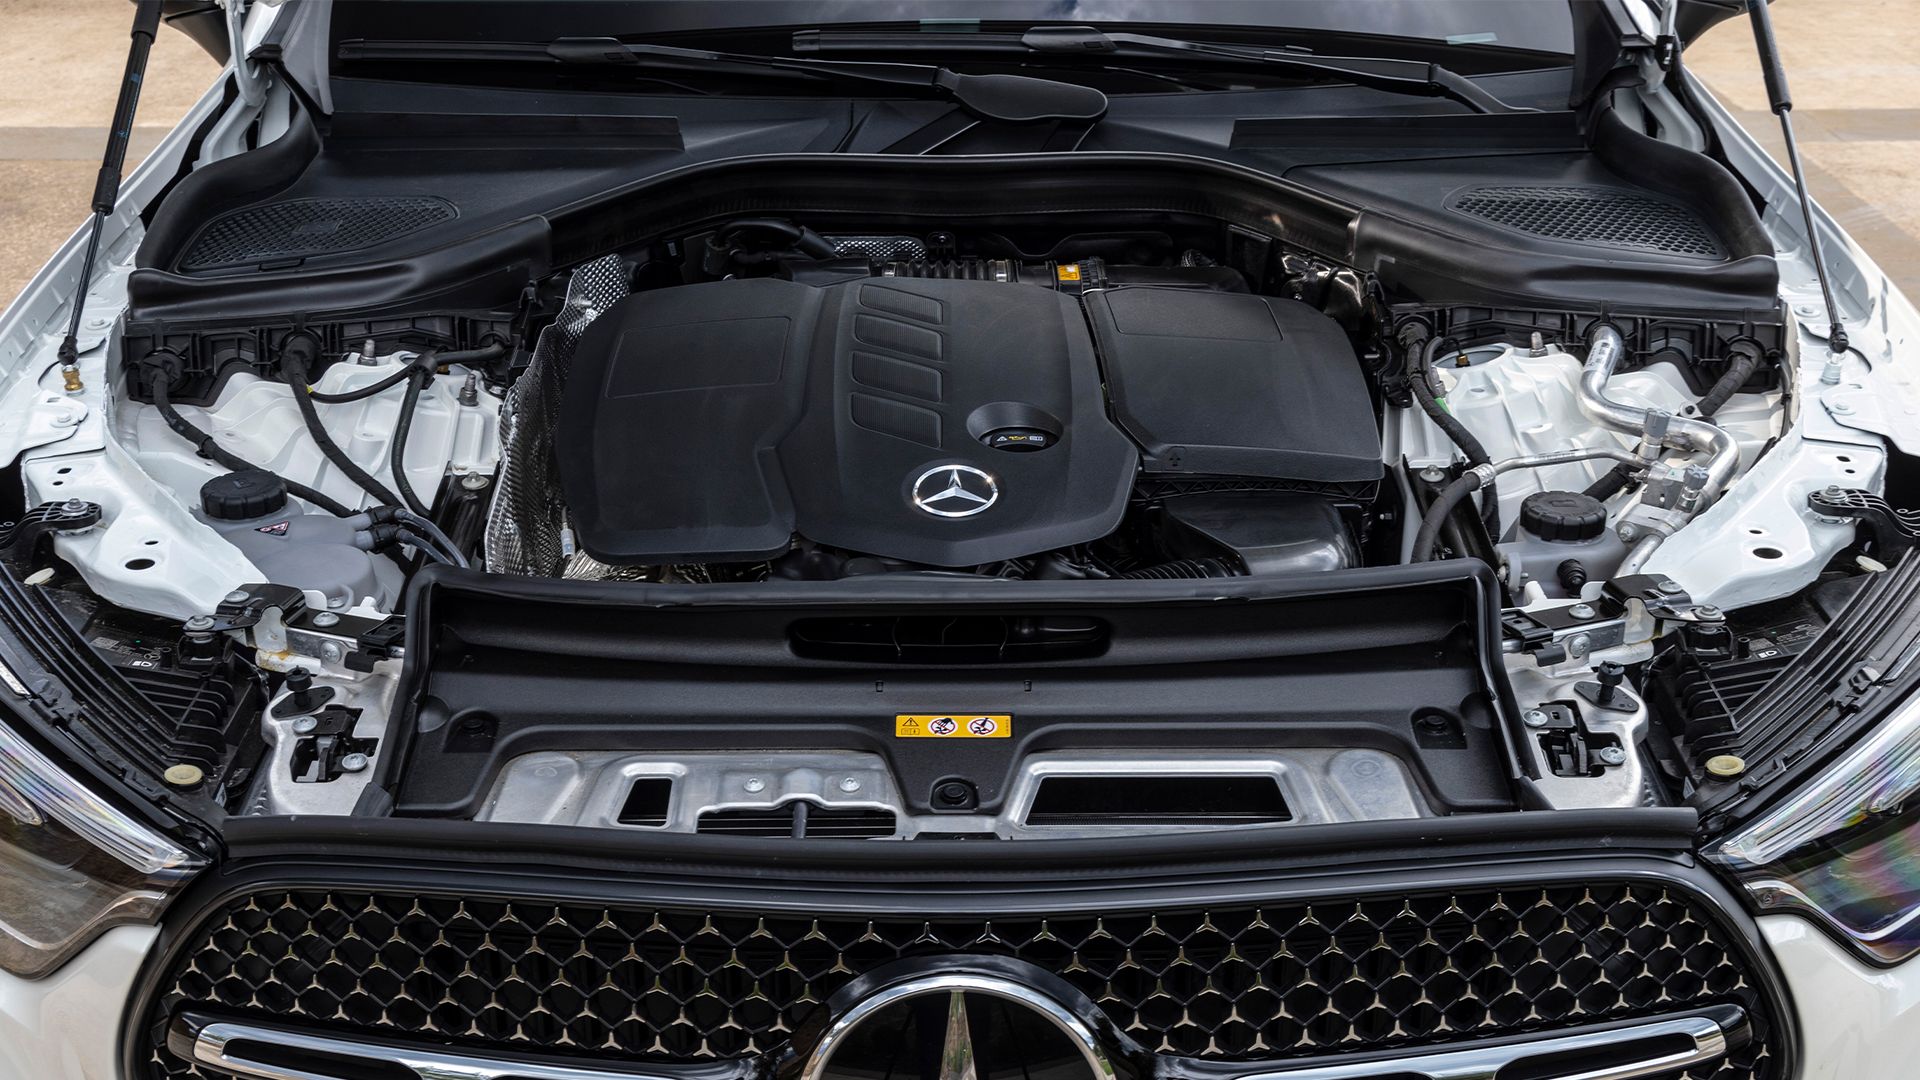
(243, 495)
(1564, 516)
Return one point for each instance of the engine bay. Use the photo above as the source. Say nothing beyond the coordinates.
(1200, 526)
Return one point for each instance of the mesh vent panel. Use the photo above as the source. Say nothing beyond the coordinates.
(1593, 216)
(1239, 982)
(303, 227)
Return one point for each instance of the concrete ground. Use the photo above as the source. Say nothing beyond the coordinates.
(1855, 68)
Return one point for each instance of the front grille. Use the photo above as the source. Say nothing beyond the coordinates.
(1603, 216)
(1226, 983)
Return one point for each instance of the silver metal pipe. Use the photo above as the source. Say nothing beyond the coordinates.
(1564, 457)
(1684, 433)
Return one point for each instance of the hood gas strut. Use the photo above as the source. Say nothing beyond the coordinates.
(106, 189)
(1781, 101)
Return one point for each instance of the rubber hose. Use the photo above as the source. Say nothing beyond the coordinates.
(425, 527)
(1739, 370)
(417, 378)
(427, 550)
(293, 362)
(364, 392)
(204, 443)
(1436, 516)
(1456, 431)
(483, 354)
(1611, 483)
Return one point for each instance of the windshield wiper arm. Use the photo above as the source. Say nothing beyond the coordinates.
(1418, 78)
(1015, 99)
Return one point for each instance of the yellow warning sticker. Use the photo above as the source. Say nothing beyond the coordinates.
(952, 726)
(1067, 272)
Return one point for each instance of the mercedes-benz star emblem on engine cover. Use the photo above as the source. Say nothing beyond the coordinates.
(955, 491)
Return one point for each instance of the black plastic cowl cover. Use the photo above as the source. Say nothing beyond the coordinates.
(713, 422)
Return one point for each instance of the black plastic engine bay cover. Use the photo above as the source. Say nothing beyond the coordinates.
(713, 422)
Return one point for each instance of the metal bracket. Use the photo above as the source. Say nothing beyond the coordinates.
(30, 536)
(1894, 530)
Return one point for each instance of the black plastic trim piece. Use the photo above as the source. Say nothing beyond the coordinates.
(583, 649)
(88, 716)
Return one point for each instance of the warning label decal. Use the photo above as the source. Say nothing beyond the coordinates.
(952, 726)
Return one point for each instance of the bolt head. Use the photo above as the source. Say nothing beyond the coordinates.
(306, 725)
(354, 763)
(1612, 755)
(198, 624)
(326, 619)
(237, 596)
(1581, 611)
(1535, 718)
(755, 785)
(1580, 645)
(330, 652)
(849, 785)
(474, 481)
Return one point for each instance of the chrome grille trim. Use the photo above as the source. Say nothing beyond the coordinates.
(1701, 1040)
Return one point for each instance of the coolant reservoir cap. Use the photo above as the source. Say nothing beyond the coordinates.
(1567, 516)
(243, 495)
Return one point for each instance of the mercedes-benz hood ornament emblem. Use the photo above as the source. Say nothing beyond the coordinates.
(955, 491)
(959, 1026)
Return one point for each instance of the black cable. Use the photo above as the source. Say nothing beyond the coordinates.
(429, 360)
(1421, 382)
(417, 378)
(204, 443)
(1436, 516)
(294, 357)
(364, 392)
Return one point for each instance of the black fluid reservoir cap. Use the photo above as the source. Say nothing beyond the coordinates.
(1568, 516)
(243, 495)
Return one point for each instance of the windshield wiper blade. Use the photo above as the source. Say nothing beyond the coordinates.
(1417, 78)
(1017, 99)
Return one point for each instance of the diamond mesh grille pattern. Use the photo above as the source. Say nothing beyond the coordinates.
(301, 227)
(1281, 980)
(1593, 216)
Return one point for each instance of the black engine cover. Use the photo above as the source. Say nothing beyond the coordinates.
(711, 423)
